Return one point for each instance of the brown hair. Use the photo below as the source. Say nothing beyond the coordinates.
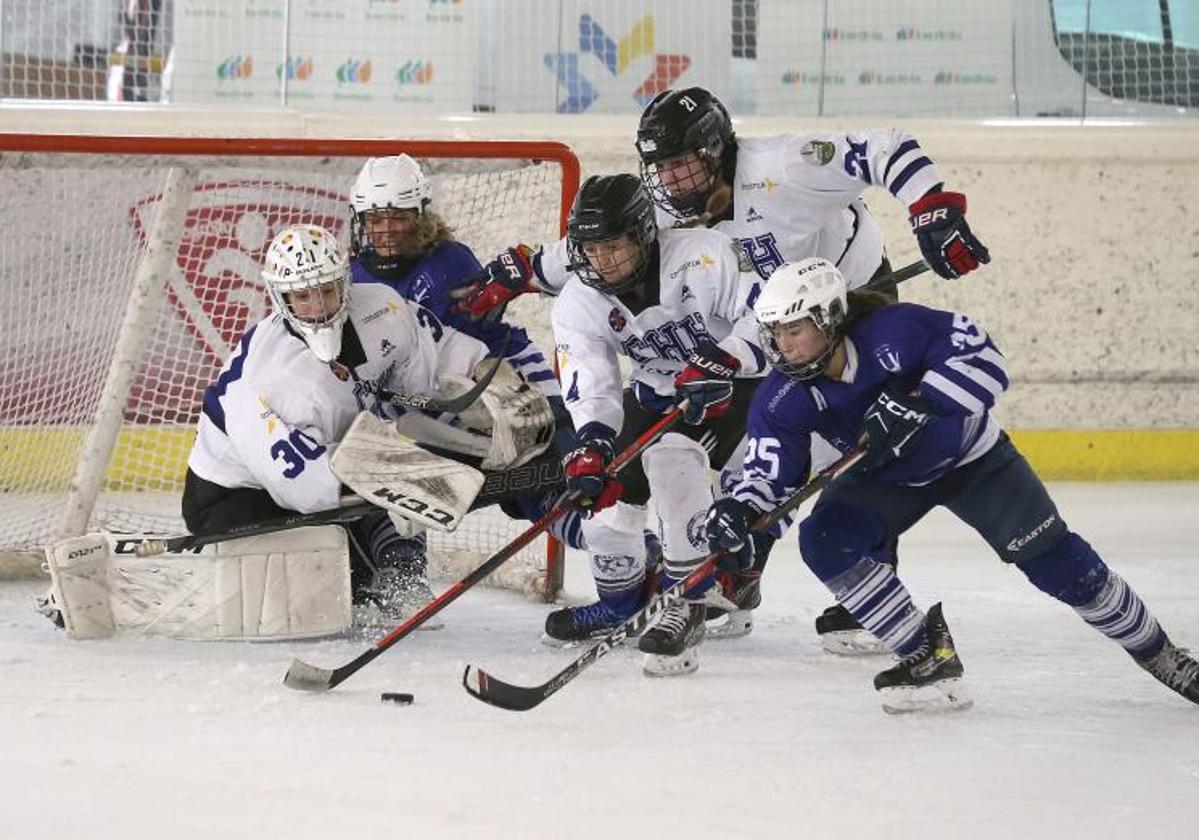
(431, 231)
(863, 303)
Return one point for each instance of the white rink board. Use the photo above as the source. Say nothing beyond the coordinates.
(137, 738)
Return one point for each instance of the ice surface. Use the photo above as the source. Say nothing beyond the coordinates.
(132, 738)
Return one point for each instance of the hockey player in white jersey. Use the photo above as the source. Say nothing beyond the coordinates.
(289, 392)
(677, 304)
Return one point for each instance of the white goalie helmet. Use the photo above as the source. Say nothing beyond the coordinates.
(304, 266)
(811, 288)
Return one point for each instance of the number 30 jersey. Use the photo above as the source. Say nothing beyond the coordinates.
(276, 413)
(946, 357)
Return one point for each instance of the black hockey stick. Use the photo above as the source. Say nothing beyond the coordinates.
(304, 677)
(519, 698)
(353, 510)
(438, 404)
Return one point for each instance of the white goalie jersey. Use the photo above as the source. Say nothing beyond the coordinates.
(276, 412)
(799, 195)
(705, 294)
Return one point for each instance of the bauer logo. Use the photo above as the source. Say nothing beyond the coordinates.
(354, 72)
(604, 67)
(214, 285)
(235, 67)
(414, 73)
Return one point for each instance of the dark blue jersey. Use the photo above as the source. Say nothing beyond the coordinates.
(946, 357)
(429, 281)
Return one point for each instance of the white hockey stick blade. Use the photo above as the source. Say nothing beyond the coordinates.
(388, 469)
(304, 677)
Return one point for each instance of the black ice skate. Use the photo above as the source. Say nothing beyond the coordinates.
(1175, 669)
(929, 679)
(840, 634)
(670, 646)
(730, 609)
(590, 621)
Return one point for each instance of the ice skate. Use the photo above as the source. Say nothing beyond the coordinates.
(571, 625)
(739, 595)
(1174, 668)
(671, 646)
(841, 635)
(930, 679)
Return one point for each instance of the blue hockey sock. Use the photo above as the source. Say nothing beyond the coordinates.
(875, 596)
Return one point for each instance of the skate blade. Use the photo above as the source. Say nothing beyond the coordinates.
(570, 644)
(943, 696)
(852, 643)
(731, 625)
(659, 665)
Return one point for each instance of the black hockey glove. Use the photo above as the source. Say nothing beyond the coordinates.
(891, 424)
(727, 528)
(939, 222)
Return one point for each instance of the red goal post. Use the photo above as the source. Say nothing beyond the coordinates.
(128, 268)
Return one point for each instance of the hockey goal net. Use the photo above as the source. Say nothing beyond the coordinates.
(129, 268)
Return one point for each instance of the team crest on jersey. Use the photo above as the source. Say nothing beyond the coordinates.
(616, 320)
(339, 370)
(385, 347)
(888, 358)
(818, 152)
(696, 533)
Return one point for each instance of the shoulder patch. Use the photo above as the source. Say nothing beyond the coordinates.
(616, 320)
(818, 152)
(888, 358)
(744, 263)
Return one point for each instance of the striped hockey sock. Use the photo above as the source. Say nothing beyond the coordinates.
(1118, 613)
(877, 598)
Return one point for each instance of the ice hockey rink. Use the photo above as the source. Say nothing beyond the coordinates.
(150, 737)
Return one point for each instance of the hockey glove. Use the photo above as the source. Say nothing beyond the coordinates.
(727, 529)
(586, 476)
(891, 425)
(507, 276)
(939, 222)
(707, 383)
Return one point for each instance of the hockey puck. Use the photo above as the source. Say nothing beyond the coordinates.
(397, 697)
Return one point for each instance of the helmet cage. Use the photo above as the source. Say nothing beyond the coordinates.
(386, 185)
(828, 321)
(307, 257)
(677, 123)
(602, 214)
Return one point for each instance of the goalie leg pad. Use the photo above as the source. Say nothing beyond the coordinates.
(285, 585)
(676, 468)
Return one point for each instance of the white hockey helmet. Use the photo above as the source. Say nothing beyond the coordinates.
(303, 257)
(811, 288)
(383, 184)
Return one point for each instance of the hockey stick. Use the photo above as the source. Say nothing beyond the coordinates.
(353, 509)
(304, 677)
(452, 406)
(519, 698)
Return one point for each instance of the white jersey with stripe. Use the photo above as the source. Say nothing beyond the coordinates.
(276, 412)
(799, 195)
(705, 295)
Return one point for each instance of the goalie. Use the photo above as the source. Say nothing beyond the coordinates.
(297, 410)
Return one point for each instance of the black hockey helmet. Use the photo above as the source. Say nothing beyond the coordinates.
(677, 123)
(607, 208)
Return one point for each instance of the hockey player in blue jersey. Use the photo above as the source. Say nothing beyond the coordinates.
(399, 239)
(916, 386)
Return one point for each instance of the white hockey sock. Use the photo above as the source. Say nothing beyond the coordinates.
(877, 598)
(1118, 613)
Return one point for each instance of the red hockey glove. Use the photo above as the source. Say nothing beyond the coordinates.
(504, 278)
(939, 222)
(707, 383)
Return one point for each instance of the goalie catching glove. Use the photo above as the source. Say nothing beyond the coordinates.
(506, 277)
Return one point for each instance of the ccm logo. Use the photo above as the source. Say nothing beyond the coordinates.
(929, 216)
(416, 506)
(901, 410)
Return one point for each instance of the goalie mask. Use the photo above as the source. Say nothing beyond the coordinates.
(810, 290)
(611, 233)
(681, 141)
(390, 216)
(308, 277)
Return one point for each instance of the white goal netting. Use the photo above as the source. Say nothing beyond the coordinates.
(76, 230)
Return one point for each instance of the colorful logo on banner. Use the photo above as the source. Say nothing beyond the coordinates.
(414, 73)
(615, 57)
(297, 67)
(214, 285)
(354, 72)
(235, 67)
